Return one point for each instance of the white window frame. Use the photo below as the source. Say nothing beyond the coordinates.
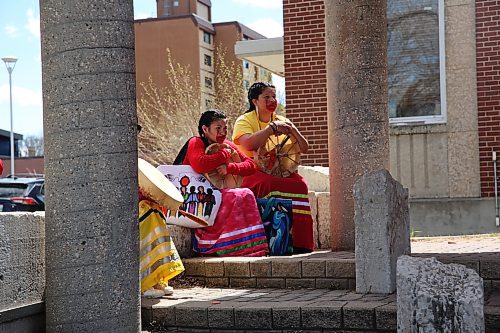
(437, 119)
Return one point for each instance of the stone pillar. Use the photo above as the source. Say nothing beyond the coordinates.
(356, 44)
(92, 241)
(437, 297)
(382, 220)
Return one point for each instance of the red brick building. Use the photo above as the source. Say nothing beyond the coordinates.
(444, 103)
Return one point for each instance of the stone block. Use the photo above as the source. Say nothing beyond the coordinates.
(316, 177)
(385, 317)
(313, 203)
(300, 283)
(237, 268)
(313, 268)
(286, 316)
(340, 268)
(243, 282)
(286, 268)
(261, 268)
(253, 316)
(437, 297)
(221, 316)
(318, 315)
(271, 283)
(490, 269)
(182, 240)
(382, 231)
(217, 282)
(332, 283)
(492, 318)
(195, 267)
(22, 259)
(191, 314)
(214, 267)
(324, 221)
(359, 315)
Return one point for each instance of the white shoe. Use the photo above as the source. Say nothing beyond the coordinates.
(168, 290)
(154, 293)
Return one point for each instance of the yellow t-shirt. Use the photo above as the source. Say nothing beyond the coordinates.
(248, 123)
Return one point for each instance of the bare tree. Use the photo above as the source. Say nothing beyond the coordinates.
(168, 115)
(34, 144)
(230, 95)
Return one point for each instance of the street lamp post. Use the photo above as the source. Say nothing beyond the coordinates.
(10, 63)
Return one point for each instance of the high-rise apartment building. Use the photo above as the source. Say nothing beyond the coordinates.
(185, 28)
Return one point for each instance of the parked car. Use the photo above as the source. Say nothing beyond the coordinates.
(22, 193)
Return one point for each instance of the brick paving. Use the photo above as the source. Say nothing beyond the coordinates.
(300, 293)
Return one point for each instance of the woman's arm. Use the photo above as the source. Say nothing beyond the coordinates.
(255, 140)
(202, 162)
(244, 168)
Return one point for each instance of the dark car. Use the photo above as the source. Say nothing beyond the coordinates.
(22, 193)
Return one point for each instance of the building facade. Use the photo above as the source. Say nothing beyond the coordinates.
(185, 28)
(444, 103)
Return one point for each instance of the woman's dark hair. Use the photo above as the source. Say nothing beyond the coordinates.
(254, 91)
(206, 119)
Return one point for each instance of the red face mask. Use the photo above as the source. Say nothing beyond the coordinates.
(220, 138)
(272, 105)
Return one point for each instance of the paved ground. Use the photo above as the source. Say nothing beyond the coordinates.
(200, 309)
(457, 244)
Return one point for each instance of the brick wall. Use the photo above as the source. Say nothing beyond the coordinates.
(488, 88)
(305, 72)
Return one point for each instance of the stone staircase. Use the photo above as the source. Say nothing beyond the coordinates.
(301, 293)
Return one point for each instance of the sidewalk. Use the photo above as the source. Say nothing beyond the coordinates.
(457, 244)
(300, 304)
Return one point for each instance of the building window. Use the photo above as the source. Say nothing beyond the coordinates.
(416, 68)
(176, 3)
(246, 85)
(207, 60)
(167, 7)
(246, 65)
(207, 37)
(208, 82)
(208, 103)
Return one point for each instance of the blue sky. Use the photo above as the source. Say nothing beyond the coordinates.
(20, 37)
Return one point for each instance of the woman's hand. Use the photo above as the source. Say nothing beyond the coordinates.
(222, 170)
(283, 127)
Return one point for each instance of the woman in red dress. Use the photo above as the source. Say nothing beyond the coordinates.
(238, 229)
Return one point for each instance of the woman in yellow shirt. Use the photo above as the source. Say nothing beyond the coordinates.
(251, 131)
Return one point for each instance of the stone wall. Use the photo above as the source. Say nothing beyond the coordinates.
(22, 271)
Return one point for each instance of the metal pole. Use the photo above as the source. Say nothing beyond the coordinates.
(11, 126)
(10, 63)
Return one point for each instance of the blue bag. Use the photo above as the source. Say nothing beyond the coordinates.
(277, 217)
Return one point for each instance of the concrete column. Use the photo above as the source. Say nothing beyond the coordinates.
(356, 41)
(92, 240)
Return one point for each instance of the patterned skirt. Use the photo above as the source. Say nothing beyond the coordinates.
(159, 260)
(237, 230)
(293, 187)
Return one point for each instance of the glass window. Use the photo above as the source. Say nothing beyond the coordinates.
(208, 103)
(415, 54)
(12, 190)
(208, 82)
(207, 60)
(246, 65)
(167, 7)
(176, 3)
(207, 37)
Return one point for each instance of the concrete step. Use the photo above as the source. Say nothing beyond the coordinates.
(211, 310)
(320, 269)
